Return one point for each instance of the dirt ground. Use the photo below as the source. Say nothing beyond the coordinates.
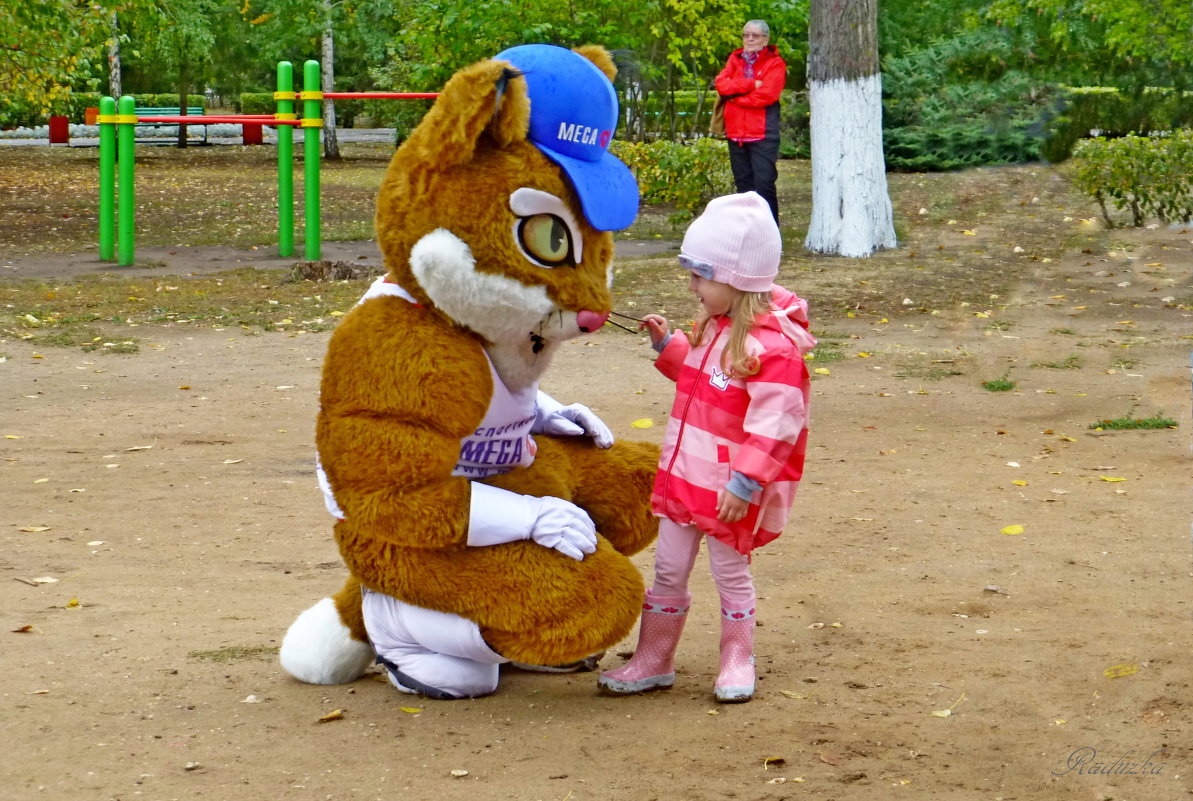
(910, 644)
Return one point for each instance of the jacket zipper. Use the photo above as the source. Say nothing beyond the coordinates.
(683, 420)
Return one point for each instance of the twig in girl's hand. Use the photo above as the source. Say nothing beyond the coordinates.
(628, 317)
(622, 327)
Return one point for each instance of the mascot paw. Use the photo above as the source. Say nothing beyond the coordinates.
(319, 649)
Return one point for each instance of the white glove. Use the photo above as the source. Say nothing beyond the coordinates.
(570, 421)
(563, 526)
(498, 516)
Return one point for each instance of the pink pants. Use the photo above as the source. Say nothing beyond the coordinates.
(675, 554)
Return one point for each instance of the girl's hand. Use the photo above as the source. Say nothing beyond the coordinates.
(731, 508)
(656, 326)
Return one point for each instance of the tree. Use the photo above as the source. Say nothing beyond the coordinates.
(45, 45)
(851, 210)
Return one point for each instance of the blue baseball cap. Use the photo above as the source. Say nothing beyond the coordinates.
(573, 113)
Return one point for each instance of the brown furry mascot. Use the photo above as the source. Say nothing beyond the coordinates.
(482, 521)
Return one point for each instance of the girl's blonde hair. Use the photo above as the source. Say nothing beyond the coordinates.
(744, 309)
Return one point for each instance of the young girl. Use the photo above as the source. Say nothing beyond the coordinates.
(733, 452)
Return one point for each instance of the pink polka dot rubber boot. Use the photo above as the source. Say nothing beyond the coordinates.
(735, 684)
(653, 665)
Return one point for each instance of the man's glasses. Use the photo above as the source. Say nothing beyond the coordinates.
(753, 36)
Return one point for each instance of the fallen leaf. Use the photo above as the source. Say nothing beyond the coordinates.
(40, 480)
(34, 529)
(776, 761)
(23, 630)
(185, 386)
(822, 371)
(12, 436)
(410, 710)
(642, 422)
(73, 603)
(44, 580)
(944, 713)
(791, 694)
(1019, 483)
(1118, 671)
(459, 773)
(139, 448)
(335, 714)
(1111, 479)
(1013, 529)
(233, 461)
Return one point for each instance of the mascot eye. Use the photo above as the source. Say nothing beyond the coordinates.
(546, 239)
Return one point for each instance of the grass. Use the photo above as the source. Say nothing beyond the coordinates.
(999, 385)
(235, 653)
(1068, 363)
(226, 195)
(91, 311)
(1128, 423)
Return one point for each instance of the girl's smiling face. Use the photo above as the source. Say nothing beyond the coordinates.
(714, 296)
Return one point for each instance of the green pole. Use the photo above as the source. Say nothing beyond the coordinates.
(107, 179)
(285, 111)
(126, 221)
(312, 121)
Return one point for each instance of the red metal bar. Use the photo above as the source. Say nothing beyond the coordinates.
(218, 120)
(381, 95)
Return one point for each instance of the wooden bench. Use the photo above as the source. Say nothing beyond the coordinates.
(170, 111)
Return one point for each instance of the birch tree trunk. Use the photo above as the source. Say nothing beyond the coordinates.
(851, 209)
(114, 88)
(331, 145)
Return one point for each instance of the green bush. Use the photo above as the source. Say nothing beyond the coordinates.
(167, 100)
(681, 114)
(1115, 112)
(1152, 176)
(962, 102)
(795, 130)
(258, 103)
(684, 174)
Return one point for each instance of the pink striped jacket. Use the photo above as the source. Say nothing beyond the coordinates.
(757, 425)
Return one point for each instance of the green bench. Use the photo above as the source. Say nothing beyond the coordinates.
(169, 111)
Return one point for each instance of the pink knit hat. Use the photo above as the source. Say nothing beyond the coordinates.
(735, 241)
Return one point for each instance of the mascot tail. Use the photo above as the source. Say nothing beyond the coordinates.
(320, 648)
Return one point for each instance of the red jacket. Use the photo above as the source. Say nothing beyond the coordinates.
(756, 425)
(752, 111)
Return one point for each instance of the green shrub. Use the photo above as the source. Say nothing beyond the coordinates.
(795, 130)
(258, 103)
(681, 114)
(1150, 176)
(1114, 112)
(962, 102)
(684, 174)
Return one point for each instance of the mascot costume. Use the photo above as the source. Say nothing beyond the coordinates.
(482, 522)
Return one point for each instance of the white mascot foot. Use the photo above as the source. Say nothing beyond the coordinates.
(319, 649)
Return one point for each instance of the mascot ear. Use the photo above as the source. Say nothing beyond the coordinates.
(599, 56)
(488, 96)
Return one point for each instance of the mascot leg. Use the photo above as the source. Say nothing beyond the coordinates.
(614, 487)
(327, 644)
(436, 654)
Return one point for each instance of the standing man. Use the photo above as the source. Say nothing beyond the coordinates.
(751, 83)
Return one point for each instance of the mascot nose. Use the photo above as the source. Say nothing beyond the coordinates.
(590, 321)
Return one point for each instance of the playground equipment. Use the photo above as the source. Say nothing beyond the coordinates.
(117, 142)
